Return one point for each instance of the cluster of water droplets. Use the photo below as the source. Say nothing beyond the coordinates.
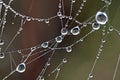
(101, 19)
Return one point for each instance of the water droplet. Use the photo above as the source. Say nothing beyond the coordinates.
(110, 28)
(69, 49)
(12, 22)
(95, 26)
(64, 31)
(1, 42)
(28, 19)
(108, 1)
(33, 48)
(84, 24)
(47, 21)
(70, 18)
(59, 39)
(90, 75)
(48, 63)
(75, 30)
(2, 55)
(40, 78)
(44, 45)
(58, 69)
(103, 40)
(59, 13)
(101, 17)
(64, 60)
(21, 68)
(19, 51)
(73, 1)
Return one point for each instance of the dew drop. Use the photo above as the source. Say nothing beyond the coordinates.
(19, 51)
(2, 55)
(44, 45)
(48, 63)
(21, 68)
(69, 49)
(40, 78)
(110, 28)
(108, 1)
(90, 76)
(103, 40)
(58, 69)
(64, 31)
(70, 17)
(59, 13)
(1, 42)
(47, 21)
(28, 19)
(95, 26)
(13, 23)
(64, 60)
(33, 48)
(101, 18)
(59, 39)
(73, 1)
(75, 30)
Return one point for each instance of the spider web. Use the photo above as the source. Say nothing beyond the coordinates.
(55, 51)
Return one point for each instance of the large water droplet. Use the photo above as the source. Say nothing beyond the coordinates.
(101, 17)
(21, 68)
(75, 30)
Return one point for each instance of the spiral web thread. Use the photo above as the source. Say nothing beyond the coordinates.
(50, 47)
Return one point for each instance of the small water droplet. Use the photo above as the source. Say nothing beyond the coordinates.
(58, 69)
(108, 1)
(59, 13)
(69, 49)
(47, 21)
(48, 63)
(95, 26)
(90, 76)
(64, 60)
(21, 68)
(19, 51)
(12, 22)
(64, 31)
(1, 42)
(110, 28)
(59, 39)
(33, 48)
(2, 55)
(28, 19)
(75, 30)
(73, 1)
(44, 45)
(103, 40)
